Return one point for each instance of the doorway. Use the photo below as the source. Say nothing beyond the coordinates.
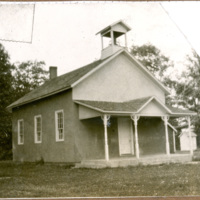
(125, 134)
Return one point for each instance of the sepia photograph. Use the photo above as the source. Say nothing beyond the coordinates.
(99, 99)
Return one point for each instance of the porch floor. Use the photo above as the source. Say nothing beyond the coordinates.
(133, 161)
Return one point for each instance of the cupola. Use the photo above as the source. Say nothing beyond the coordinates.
(113, 38)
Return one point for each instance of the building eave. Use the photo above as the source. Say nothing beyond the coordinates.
(9, 108)
(183, 114)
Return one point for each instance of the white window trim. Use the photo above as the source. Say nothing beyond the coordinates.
(18, 131)
(56, 126)
(35, 129)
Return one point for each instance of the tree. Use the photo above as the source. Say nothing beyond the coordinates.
(152, 58)
(28, 76)
(188, 84)
(187, 89)
(15, 81)
(6, 89)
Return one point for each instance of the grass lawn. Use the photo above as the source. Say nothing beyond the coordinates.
(31, 180)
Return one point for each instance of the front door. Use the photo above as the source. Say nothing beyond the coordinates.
(125, 136)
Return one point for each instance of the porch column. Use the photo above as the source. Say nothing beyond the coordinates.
(190, 135)
(112, 38)
(135, 118)
(174, 141)
(105, 122)
(125, 40)
(102, 42)
(165, 119)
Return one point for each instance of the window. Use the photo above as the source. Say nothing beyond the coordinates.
(21, 131)
(38, 129)
(59, 117)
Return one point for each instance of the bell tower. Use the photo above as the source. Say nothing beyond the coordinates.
(113, 38)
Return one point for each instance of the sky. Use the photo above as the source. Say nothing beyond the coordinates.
(64, 34)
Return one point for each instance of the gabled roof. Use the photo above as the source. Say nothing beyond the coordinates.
(128, 28)
(71, 79)
(56, 85)
(125, 52)
(129, 107)
(187, 134)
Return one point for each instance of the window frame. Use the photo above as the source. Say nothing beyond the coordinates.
(36, 131)
(56, 126)
(18, 131)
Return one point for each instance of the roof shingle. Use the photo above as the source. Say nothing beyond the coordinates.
(178, 110)
(57, 84)
(128, 106)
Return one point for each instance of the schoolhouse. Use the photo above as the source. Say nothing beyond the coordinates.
(111, 112)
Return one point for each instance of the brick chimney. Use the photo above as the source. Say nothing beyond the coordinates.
(52, 72)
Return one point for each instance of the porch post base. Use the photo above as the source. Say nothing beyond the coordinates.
(167, 148)
(106, 152)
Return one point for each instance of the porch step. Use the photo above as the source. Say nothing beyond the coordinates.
(124, 162)
(93, 166)
(166, 160)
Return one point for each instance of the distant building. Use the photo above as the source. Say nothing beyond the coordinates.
(185, 140)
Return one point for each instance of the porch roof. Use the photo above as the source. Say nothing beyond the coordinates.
(106, 106)
(178, 110)
(131, 107)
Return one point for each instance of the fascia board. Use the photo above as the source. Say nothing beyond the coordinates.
(157, 101)
(145, 104)
(183, 114)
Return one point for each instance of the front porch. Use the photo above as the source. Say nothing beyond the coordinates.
(133, 161)
(133, 133)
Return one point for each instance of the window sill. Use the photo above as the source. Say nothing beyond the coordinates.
(60, 140)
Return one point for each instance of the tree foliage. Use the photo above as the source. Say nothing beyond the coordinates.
(28, 76)
(6, 90)
(15, 81)
(5, 77)
(152, 58)
(187, 88)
